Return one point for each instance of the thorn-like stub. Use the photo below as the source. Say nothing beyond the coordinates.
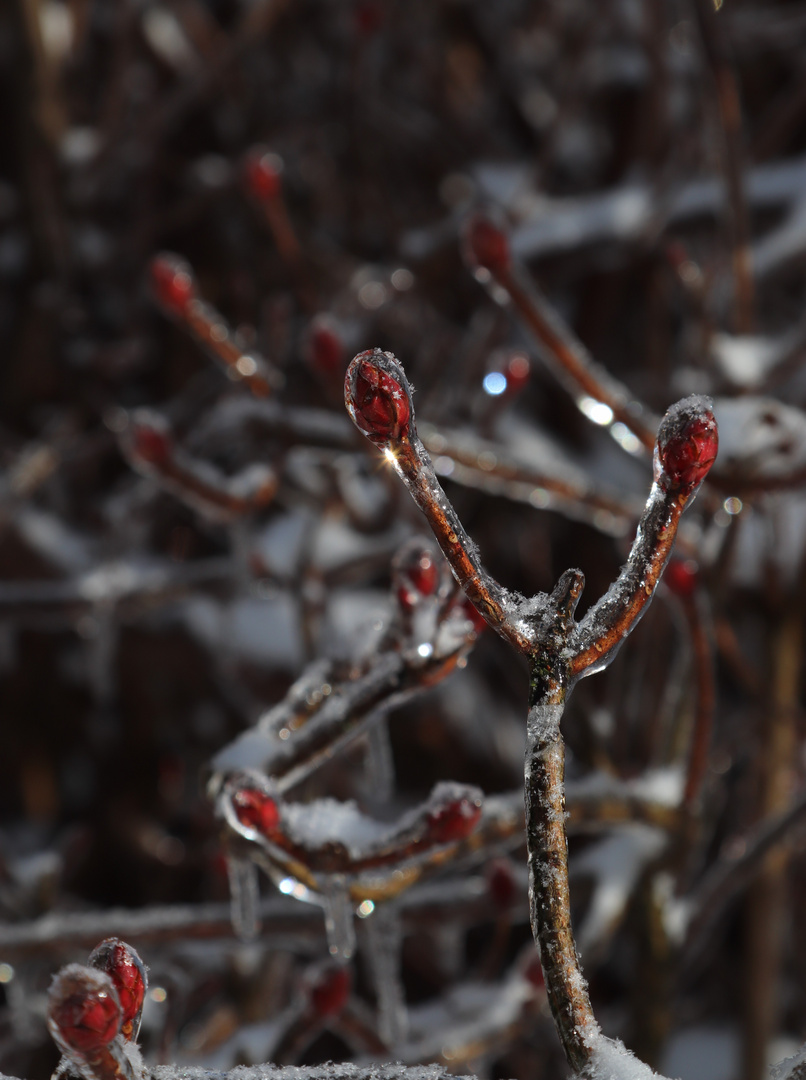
(687, 445)
(566, 593)
(84, 1013)
(378, 396)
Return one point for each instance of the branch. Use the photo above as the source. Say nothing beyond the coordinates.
(559, 650)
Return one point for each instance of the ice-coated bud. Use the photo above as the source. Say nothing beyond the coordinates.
(454, 820)
(415, 572)
(84, 1012)
(687, 445)
(681, 576)
(377, 396)
(172, 283)
(256, 810)
(149, 439)
(485, 245)
(329, 990)
(262, 173)
(127, 971)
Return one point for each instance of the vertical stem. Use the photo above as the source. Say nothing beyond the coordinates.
(767, 896)
(549, 899)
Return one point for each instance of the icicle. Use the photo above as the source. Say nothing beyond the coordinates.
(338, 917)
(244, 896)
(385, 941)
(379, 762)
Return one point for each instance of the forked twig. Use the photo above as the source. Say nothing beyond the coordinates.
(560, 651)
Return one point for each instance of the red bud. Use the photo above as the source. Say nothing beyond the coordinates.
(262, 173)
(127, 972)
(485, 245)
(377, 396)
(324, 348)
(329, 993)
(84, 1011)
(687, 445)
(150, 441)
(416, 574)
(517, 371)
(453, 821)
(172, 282)
(256, 810)
(681, 576)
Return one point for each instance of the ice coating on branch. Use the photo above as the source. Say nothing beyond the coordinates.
(378, 397)
(250, 802)
(172, 283)
(84, 1013)
(687, 445)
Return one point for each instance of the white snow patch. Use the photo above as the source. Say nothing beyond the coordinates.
(611, 1060)
(280, 542)
(746, 360)
(761, 436)
(663, 786)
(616, 862)
(328, 821)
(50, 537)
(262, 630)
(792, 1068)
